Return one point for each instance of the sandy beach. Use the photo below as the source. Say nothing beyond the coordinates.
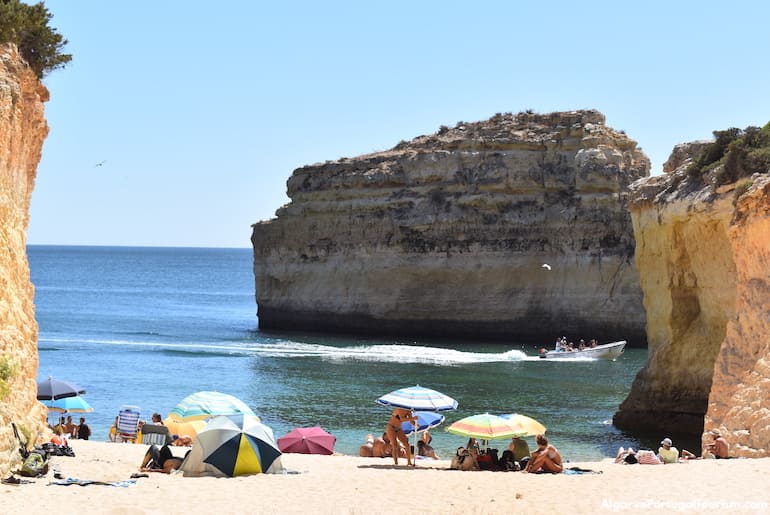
(350, 484)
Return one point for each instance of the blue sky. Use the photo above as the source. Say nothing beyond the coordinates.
(200, 111)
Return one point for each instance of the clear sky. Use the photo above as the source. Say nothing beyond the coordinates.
(200, 111)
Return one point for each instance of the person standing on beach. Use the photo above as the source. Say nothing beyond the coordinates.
(396, 433)
(83, 430)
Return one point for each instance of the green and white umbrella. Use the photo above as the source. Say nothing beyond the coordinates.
(204, 405)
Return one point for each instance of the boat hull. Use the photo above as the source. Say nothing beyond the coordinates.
(607, 351)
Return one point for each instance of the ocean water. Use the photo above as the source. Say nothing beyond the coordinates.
(149, 326)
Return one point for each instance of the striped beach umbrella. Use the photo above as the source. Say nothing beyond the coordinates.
(204, 405)
(527, 426)
(484, 427)
(233, 446)
(418, 398)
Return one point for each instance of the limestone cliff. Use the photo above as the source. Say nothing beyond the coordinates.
(445, 235)
(703, 254)
(22, 131)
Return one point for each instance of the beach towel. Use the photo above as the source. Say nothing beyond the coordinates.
(577, 470)
(85, 482)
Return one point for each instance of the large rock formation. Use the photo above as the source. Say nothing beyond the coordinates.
(703, 254)
(22, 131)
(445, 235)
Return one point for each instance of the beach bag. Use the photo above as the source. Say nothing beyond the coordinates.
(35, 465)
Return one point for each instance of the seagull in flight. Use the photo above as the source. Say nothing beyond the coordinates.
(546, 266)
(101, 163)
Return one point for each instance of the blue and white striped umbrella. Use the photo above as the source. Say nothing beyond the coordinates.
(418, 398)
(203, 405)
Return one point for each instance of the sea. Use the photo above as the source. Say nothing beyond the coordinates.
(147, 327)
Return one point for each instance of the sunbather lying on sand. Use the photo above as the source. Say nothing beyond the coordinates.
(160, 460)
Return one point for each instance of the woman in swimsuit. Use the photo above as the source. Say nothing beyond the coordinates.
(545, 459)
(396, 433)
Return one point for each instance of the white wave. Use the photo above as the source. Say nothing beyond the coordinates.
(397, 353)
(386, 353)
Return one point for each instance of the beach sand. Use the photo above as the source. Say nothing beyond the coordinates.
(354, 485)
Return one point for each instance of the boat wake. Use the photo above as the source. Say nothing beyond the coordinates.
(386, 353)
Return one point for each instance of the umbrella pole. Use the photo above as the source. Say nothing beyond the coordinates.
(414, 454)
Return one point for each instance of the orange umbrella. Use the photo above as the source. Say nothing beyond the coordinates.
(189, 428)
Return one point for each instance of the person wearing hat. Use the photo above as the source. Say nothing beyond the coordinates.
(719, 448)
(670, 454)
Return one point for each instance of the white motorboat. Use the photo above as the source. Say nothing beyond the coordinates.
(606, 351)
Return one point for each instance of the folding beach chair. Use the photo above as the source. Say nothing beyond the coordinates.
(155, 435)
(128, 424)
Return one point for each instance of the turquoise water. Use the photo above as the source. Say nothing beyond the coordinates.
(149, 326)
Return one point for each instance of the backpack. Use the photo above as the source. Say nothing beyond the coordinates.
(35, 465)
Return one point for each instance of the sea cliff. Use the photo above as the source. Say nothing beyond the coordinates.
(22, 131)
(703, 253)
(446, 234)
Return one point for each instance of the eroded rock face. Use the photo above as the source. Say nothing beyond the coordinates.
(704, 261)
(22, 131)
(445, 235)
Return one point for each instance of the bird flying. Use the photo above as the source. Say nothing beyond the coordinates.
(101, 163)
(546, 266)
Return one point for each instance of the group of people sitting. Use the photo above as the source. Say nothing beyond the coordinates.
(562, 345)
(381, 447)
(115, 436)
(718, 448)
(545, 459)
(66, 428)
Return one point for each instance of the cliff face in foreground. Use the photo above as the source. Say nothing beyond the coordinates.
(445, 235)
(22, 131)
(704, 260)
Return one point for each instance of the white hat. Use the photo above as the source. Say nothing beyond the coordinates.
(667, 442)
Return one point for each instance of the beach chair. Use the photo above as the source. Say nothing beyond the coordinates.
(155, 435)
(128, 424)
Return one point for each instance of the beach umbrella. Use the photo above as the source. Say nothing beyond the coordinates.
(233, 446)
(70, 405)
(425, 420)
(418, 398)
(203, 405)
(484, 427)
(52, 389)
(527, 426)
(307, 440)
(189, 428)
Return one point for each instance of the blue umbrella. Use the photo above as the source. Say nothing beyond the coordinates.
(418, 398)
(425, 420)
(71, 405)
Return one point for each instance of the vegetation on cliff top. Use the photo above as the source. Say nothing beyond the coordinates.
(735, 153)
(27, 27)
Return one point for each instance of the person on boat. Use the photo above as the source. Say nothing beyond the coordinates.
(396, 434)
(593, 343)
(718, 448)
(545, 459)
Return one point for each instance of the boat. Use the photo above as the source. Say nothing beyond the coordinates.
(606, 351)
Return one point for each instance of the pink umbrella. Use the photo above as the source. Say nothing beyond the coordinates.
(307, 440)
